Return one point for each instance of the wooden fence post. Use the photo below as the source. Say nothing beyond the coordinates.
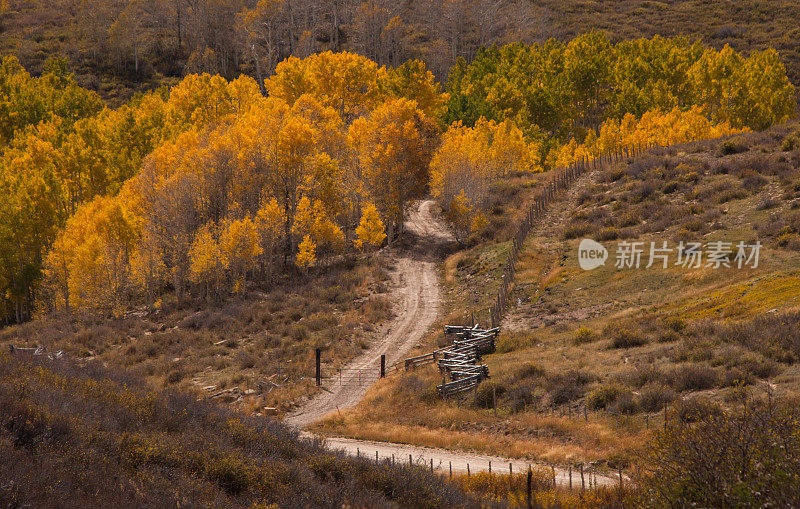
(528, 489)
(383, 366)
(583, 481)
(318, 363)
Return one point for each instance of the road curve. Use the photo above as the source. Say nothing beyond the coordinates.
(444, 460)
(417, 306)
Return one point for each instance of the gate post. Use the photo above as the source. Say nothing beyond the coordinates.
(383, 366)
(318, 374)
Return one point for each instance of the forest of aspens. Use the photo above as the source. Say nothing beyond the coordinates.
(209, 186)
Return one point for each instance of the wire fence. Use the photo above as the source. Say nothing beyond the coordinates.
(562, 178)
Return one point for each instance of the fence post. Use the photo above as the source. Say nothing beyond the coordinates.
(583, 481)
(383, 366)
(528, 489)
(318, 373)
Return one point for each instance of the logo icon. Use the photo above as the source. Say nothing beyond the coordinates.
(591, 254)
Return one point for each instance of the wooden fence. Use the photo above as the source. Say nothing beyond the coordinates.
(562, 179)
(460, 360)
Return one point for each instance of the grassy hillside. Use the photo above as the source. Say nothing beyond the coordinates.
(587, 360)
(76, 435)
(258, 348)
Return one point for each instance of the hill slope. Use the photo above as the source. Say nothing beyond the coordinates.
(587, 360)
(78, 435)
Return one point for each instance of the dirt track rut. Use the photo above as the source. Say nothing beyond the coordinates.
(417, 291)
(417, 305)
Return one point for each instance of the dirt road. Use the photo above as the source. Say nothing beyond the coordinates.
(417, 290)
(444, 460)
(417, 306)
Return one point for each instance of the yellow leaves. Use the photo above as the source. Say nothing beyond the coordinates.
(205, 255)
(666, 128)
(370, 230)
(413, 81)
(239, 243)
(346, 82)
(468, 160)
(202, 99)
(464, 217)
(306, 254)
(312, 220)
(270, 220)
(392, 148)
(90, 261)
(747, 92)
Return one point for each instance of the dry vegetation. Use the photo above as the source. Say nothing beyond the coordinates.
(621, 345)
(77, 435)
(257, 348)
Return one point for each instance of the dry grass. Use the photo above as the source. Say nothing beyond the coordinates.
(656, 335)
(80, 436)
(259, 349)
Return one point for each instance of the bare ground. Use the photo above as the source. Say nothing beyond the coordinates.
(416, 298)
(446, 460)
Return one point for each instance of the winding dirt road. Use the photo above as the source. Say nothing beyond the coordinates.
(417, 305)
(417, 293)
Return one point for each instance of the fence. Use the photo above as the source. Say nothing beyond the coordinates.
(562, 178)
(460, 360)
(577, 476)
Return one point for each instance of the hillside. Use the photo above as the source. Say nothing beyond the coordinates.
(588, 360)
(254, 351)
(306, 186)
(78, 435)
(124, 47)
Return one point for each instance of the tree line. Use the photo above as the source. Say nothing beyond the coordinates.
(141, 39)
(212, 184)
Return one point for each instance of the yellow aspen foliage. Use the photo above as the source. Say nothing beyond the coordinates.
(202, 99)
(666, 128)
(303, 218)
(393, 146)
(89, 266)
(240, 245)
(414, 81)
(306, 253)
(370, 232)
(346, 82)
(311, 219)
(469, 159)
(324, 231)
(460, 214)
(206, 261)
(269, 221)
